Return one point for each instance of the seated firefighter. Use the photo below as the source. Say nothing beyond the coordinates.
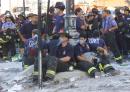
(57, 60)
(90, 60)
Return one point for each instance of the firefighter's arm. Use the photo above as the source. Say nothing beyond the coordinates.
(65, 59)
(113, 28)
(82, 58)
(102, 51)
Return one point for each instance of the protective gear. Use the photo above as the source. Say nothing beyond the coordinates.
(5, 37)
(60, 5)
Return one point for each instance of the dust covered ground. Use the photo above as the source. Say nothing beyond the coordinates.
(74, 83)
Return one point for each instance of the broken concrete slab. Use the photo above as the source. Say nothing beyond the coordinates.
(26, 73)
(70, 76)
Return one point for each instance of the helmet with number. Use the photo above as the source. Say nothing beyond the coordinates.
(60, 5)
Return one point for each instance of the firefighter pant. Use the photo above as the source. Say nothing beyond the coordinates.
(122, 44)
(90, 68)
(27, 61)
(110, 41)
(51, 64)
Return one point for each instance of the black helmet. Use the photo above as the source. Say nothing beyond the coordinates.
(60, 5)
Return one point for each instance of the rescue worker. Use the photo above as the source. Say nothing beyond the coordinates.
(59, 59)
(81, 25)
(5, 37)
(9, 28)
(89, 61)
(98, 46)
(97, 19)
(26, 30)
(30, 48)
(59, 18)
(51, 20)
(109, 26)
(120, 33)
(125, 12)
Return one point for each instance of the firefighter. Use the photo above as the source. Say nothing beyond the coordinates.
(89, 61)
(81, 25)
(120, 33)
(109, 26)
(26, 30)
(58, 59)
(59, 18)
(30, 49)
(5, 37)
(98, 46)
(127, 28)
(97, 19)
(9, 29)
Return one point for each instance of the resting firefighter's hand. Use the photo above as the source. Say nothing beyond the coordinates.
(102, 51)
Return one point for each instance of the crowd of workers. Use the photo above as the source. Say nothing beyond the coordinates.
(99, 34)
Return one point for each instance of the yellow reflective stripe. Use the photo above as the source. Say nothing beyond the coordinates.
(26, 66)
(91, 69)
(107, 65)
(5, 57)
(35, 73)
(51, 72)
(101, 67)
(118, 58)
(2, 41)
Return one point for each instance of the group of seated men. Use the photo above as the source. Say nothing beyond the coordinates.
(89, 55)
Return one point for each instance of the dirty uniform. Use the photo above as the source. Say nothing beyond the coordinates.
(83, 65)
(51, 61)
(104, 63)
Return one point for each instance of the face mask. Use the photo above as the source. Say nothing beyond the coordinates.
(56, 11)
(82, 41)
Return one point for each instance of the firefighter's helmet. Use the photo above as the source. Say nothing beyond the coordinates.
(60, 5)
